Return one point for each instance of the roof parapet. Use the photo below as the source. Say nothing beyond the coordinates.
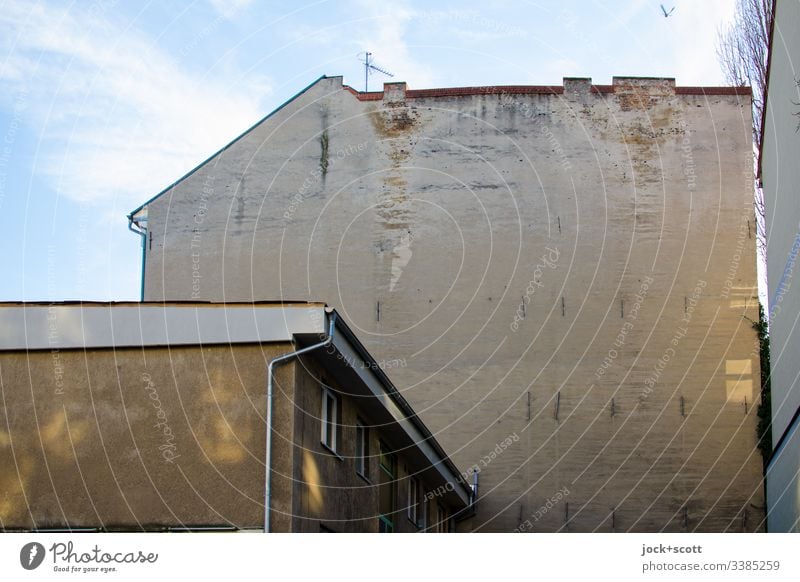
(577, 88)
(577, 84)
(394, 94)
(648, 85)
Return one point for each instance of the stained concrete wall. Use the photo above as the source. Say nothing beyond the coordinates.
(570, 268)
(140, 438)
(780, 175)
(148, 439)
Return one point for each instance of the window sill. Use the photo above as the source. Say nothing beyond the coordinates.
(364, 477)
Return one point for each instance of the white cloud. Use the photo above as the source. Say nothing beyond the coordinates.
(467, 25)
(118, 116)
(622, 17)
(230, 8)
(695, 27)
(635, 38)
(385, 37)
(306, 35)
(562, 67)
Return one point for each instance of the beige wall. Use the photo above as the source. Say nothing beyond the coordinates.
(155, 437)
(438, 212)
(79, 441)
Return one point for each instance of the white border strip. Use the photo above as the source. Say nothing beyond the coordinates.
(42, 327)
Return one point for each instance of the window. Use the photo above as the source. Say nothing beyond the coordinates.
(330, 418)
(385, 524)
(362, 449)
(386, 491)
(442, 519)
(413, 500)
(430, 516)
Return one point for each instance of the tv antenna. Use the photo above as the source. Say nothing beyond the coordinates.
(369, 66)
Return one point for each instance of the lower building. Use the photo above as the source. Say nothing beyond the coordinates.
(154, 417)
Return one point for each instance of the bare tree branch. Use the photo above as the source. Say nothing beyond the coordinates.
(742, 50)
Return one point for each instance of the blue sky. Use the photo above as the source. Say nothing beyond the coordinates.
(104, 103)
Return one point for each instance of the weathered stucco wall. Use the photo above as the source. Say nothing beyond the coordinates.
(570, 270)
(132, 438)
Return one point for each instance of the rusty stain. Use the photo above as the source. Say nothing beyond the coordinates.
(393, 122)
(396, 182)
(397, 125)
(652, 124)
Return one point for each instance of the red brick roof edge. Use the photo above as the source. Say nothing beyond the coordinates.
(531, 90)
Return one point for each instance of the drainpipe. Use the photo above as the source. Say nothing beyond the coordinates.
(141, 231)
(270, 367)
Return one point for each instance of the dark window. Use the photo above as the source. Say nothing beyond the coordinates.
(413, 500)
(362, 449)
(442, 519)
(385, 525)
(386, 491)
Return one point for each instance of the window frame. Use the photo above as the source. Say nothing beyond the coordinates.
(362, 449)
(442, 519)
(386, 522)
(413, 499)
(330, 419)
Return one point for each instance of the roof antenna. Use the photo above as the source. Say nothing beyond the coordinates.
(369, 67)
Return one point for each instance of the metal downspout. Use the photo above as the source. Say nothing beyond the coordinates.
(268, 455)
(143, 233)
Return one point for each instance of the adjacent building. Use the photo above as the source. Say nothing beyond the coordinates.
(780, 179)
(560, 279)
(153, 416)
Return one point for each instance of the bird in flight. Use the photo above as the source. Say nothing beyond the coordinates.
(664, 10)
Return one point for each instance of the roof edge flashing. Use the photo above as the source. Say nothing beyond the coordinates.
(40, 327)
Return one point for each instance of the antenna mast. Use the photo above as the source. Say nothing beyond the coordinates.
(369, 67)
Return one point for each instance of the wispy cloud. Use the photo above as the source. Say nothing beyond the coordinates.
(386, 37)
(622, 16)
(562, 67)
(467, 25)
(118, 117)
(230, 8)
(695, 27)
